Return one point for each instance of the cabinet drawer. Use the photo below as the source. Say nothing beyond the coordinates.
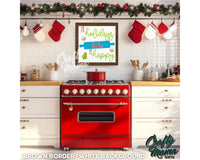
(155, 108)
(144, 128)
(40, 108)
(155, 91)
(39, 128)
(40, 91)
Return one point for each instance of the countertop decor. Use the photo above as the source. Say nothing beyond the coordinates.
(41, 83)
(154, 83)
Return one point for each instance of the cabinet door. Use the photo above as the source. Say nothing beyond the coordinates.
(155, 108)
(144, 128)
(155, 91)
(40, 108)
(39, 128)
(40, 91)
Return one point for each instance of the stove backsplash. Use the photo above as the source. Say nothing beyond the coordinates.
(155, 51)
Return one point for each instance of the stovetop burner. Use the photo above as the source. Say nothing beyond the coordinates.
(84, 82)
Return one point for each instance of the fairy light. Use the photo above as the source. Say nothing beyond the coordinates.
(170, 11)
(51, 6)
(132, 7)
(90, 9)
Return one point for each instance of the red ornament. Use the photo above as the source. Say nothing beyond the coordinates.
(155, 6)
(64, 5)
(27, 7)
(99, 5)
(138, 12)
(74, 7)
(20, 5)
(125, 7)
(117, 5)
(69, 7)
(102, 5)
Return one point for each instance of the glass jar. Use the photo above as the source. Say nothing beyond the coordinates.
(35, 73)
(23, 76)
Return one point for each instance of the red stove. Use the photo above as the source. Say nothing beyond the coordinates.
(95, 115)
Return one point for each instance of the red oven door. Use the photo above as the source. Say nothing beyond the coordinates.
(95, 122)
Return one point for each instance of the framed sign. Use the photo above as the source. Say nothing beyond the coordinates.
(97, 43)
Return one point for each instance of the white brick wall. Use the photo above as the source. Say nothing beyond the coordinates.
(155, 51)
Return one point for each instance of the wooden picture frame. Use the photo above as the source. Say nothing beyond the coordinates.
(96, 43)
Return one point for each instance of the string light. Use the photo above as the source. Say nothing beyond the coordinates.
(113, 9)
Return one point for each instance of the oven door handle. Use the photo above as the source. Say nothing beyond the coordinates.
(98, 104)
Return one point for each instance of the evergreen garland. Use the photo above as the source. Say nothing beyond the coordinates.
(107, 9)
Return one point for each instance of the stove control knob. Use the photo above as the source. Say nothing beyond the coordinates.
(125, 91)
(74, 91)
(110, 91)
(103, 91)
(89, 91)
(66, 91)
(81, 91)
(117, 91)
(96, 91)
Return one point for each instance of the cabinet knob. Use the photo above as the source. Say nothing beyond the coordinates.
(23, 107)
(166, 127)
(23, 128)
(23, 90)
(166, 99)
(166, 107)
(24, 100)
(166, 90)
(24, 120)
(70, 108)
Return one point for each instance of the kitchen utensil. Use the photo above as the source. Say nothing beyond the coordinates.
(133, 64)
(144, 65)
(50, 67)
(96, 75)
(47, 66)
(55, 66)
(138, 64)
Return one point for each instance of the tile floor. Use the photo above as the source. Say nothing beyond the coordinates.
(87, 154)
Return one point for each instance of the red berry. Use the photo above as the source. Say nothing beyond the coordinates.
(117, 5)
(99, 5)
(69, 7)
(155, 6)
(74, 7)
(102, 5)
(138, 12)
(20, 5)
(125, 7)
(27, 7)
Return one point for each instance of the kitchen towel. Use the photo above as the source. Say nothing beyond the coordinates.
(56, 31)
(136, 32)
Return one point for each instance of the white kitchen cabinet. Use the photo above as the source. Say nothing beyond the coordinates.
(40, 108)
(156, 91)
(155, 110)
(39, 128)
(39, 91)
(40, 116)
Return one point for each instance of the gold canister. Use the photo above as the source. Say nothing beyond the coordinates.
(35, 73)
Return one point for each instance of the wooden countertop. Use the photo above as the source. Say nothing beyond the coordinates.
(41, 83)
(154, 83)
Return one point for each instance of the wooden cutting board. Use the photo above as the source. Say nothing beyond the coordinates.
(170, 80)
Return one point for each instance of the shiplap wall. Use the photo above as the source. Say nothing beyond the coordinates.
(155, 51)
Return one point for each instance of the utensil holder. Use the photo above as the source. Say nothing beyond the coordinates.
(138, 75)
(54, 75)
